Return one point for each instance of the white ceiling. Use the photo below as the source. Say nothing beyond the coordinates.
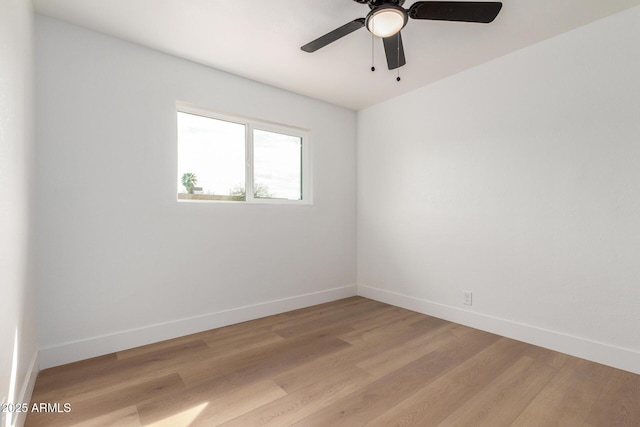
(261, 39)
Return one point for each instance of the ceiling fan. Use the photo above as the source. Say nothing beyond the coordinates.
(388, 17)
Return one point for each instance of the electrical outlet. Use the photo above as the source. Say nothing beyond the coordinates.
(467, 298)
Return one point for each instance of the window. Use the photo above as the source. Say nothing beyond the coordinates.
(234, 159)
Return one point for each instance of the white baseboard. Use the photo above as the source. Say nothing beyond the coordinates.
(98, 346)
(26, 391)
(617, 357)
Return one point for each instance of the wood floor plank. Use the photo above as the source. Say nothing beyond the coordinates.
(342, 317)
(210, 411)
(429, 323)
(485, 366)
(437, 400)
(501, 401)
(618, 404)
(305, 401)
(385, 332)
(382, 317)
(288, 318)
(304, 315)
(100, 406)
(211, 382)
(387, 336)
(388, 360)
(53, 378)
(372, 400)
(569, 396)
(125, 417)
(267, 359)
(241, 343)
(351, 362)
(149, 349)
(425, 408)
(304, 375)
(86, 383)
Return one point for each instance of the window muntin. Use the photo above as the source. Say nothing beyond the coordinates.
(230, 155)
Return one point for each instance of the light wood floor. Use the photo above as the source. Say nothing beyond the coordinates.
(351, 363)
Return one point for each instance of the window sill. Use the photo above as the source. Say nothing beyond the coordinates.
(185, 196)
(222, 198)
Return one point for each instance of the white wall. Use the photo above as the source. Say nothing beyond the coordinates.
(120, 262)
(18, 349)
(518, 180)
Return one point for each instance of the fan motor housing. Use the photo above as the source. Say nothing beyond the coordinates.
(376, 3)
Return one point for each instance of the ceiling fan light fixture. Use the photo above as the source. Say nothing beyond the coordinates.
(386, 21)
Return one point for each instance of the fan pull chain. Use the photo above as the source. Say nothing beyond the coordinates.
(373, 68)
(398, 52)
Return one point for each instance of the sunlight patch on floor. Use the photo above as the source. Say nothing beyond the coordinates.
(181, 419)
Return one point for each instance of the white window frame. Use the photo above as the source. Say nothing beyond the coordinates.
(250, 124)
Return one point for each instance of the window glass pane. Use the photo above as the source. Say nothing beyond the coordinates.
(214, 151)
(277, 170)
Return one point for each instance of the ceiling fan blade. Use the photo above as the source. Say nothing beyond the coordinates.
(464, 11)
(334, 35)
(394, 51)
